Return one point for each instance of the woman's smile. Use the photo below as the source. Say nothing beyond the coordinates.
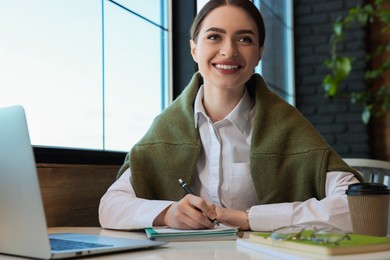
(226, 67)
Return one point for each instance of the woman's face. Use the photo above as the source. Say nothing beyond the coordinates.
(227, 48)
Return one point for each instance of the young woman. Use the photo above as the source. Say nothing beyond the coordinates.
(250, 158)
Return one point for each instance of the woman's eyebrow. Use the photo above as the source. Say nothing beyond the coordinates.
(220, 30)
(215, 29)
(245, 32)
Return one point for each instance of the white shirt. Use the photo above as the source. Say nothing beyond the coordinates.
(223, 166)
(224, 179)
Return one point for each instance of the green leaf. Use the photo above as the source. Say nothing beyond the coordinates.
(378, 2)
(330, 85)
(338, 28)
(372, 74)
(366, 115)
(343, 68)
(328, 63)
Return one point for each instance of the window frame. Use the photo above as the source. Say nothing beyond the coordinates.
(57, 155)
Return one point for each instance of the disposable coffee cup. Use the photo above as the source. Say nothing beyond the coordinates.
(369, 208)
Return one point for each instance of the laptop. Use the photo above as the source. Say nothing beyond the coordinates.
(23, 229)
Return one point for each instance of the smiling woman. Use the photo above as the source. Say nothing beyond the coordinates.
(252, 160)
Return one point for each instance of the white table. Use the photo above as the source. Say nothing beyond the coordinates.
(196, 250)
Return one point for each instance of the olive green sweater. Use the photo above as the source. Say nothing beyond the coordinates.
(288, 157)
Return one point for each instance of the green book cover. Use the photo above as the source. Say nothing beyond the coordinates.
(356, 244)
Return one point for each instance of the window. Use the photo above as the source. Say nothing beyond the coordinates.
(277, 65)
(91, 74)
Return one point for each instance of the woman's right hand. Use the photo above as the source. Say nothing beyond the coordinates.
(191, 212)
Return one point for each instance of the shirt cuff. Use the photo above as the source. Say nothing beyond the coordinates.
(270, 216)
(153, 209)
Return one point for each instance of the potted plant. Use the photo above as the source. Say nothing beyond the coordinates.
(375, 100)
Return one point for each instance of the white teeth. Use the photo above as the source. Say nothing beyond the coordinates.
(226, 67)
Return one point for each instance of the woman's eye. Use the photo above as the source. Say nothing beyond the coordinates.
(245, 39)
(214, 37)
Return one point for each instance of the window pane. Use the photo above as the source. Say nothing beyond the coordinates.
(200, 4)
(149, 9)
(133, 75)
(50, 62)
(277, 61)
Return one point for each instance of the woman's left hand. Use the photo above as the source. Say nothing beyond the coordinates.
(232, 217)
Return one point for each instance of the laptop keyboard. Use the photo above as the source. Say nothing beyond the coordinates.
(62, 244)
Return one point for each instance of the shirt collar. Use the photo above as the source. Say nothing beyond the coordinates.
(239, 116)
(198, 106)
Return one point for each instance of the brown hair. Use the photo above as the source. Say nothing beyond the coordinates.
(247, 5)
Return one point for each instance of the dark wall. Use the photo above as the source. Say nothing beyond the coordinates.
(336, 119)
(183, 13)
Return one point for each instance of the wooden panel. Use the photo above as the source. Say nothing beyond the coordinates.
(71, 193)
(380, 126)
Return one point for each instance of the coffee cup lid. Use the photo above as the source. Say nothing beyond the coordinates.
(367, 189)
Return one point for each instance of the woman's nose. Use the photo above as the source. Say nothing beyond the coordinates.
(229, 49)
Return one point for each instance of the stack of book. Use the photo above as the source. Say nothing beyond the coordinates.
(356, 245)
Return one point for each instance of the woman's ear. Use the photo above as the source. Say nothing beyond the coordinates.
(260, 53)
(193, 50)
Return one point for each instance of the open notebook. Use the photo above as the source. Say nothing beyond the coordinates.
(23, 229)
(220, 232)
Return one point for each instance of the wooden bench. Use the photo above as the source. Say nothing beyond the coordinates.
(71, 193)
